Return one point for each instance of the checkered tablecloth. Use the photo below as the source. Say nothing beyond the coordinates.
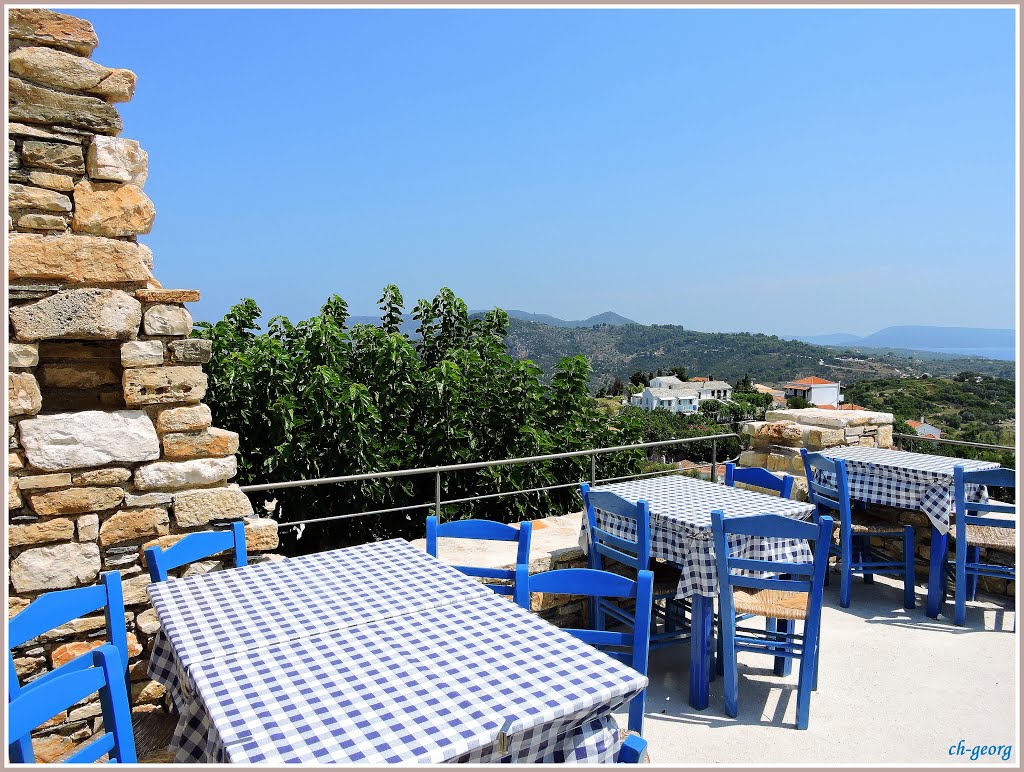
(681, 526)
(481, 680)
(214, 615)
(897, 478)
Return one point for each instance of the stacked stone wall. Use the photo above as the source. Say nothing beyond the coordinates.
(110, 449)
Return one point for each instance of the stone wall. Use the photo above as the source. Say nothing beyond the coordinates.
(110, 447)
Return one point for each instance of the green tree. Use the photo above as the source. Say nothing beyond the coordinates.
(797, 403)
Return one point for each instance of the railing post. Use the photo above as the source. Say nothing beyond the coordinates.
(714, 460)
(437, 496)
(593, 469)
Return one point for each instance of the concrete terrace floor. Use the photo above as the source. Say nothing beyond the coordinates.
(895, 687)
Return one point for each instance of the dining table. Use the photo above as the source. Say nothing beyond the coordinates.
(916, 481)
(680, 518)
(377, 653)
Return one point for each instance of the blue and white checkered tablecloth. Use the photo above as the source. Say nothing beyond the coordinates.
(481, 680)
(214, 615)
(681, 526)
(897, 478)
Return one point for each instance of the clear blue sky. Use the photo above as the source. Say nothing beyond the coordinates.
(784, 171)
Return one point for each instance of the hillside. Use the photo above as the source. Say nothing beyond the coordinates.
(608, 317)
(968, 407)
(622, 350)
(975, 341)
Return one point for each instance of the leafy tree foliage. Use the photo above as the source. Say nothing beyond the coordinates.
(798, 403)
(321, 399)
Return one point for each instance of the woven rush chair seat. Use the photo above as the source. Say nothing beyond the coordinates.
(774, 604)
(987, 536)
(153, 734)
(875, 527)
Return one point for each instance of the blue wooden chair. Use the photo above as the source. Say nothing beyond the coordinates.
(974, 530)
(760, 478)
(633, 555)
(487, 530)
(631, 647)
(796, 598)
(854, 548)
(197, 546)
(98, 671)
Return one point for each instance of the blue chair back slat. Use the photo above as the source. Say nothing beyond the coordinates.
(61, 606)
(29, 708)
(760, 478)
(197, 546)
(826, 497)
(487, 530)
(603, 584)
(753, 564)
(996, 478)
(635, 554)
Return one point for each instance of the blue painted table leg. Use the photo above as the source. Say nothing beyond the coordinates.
(937, 574)
(783, 666)
(701, 618)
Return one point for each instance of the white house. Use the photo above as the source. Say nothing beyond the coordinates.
(817, 391)
(673, 400)
(668, 382)
(719, 390)
(923, 429)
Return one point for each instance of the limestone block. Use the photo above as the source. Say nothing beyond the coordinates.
(191, 350)
(41, 482)
(183, 419)
(15, 461)
(131, 524)
(884, 437)
(48, 28)
(82, 314)
(147, 691)
(147, 622)
(162, 295)
(111, 476)
(89, 438)
(830, 419)
(147, 499)
(163, 319)
(13, 161)
(42, 222)
(22, 354)
(62, 70)
(161, 385)
(818, 438)
(118, 160)
(56, 567)
(35, 104)
(81, 375)
(134, 588)
(28, 197)
(202, 444)
(261, 534)
(200, 507)
(753, 458)
(88, 527)
(68, 651)
(75, 501)
(171, 475)
(61, 182)
(58, 529)
(142, 353)
(112, 209)
(779, 433)
(64, 134)
(23, 395)
(13, 495)
(55, 156)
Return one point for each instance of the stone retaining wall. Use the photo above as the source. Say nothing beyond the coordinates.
(110, 448)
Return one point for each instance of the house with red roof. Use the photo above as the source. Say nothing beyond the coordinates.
(817, 391)
(923, 429)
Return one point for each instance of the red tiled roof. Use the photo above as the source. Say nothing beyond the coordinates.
(914, 424)
(825, 407)
(815, 381)
(698, 379)
(933, 436)
(851, 406)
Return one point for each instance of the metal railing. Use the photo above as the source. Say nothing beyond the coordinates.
(437, 471)
(938, 440)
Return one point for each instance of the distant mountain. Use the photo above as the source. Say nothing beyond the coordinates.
(608, 317)
(971, 341)
(621, 350)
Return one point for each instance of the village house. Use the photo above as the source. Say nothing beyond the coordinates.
(924, 429)
(817, 391)
(668, 392)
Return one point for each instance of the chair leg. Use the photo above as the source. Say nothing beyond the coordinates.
(636, 713)
(973, 556)
(805, 684)
(731, 669)
(817, 651)
(908, 567)
(670, 619)
(783, 666)
(719, 651)
(846, 578)
(960, 584)
(865, 557)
